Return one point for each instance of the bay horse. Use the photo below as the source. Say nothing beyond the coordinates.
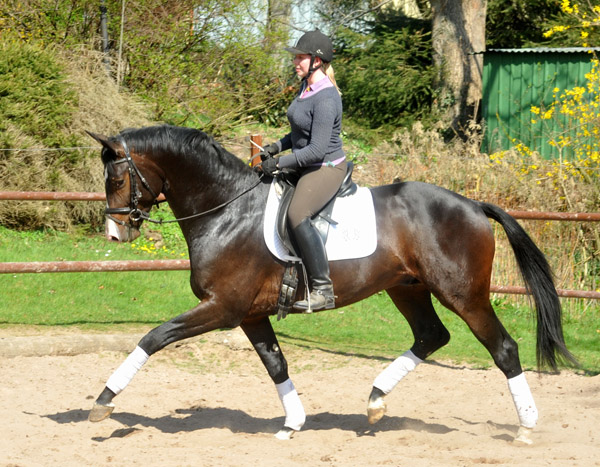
(431, 241)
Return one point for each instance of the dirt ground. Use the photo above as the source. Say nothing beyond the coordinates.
(209, 402)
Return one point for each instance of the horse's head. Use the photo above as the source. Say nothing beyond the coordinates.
(132, 186)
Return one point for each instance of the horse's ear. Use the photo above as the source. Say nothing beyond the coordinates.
(104, 141)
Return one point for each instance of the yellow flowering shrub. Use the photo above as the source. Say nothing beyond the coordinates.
(571, 123)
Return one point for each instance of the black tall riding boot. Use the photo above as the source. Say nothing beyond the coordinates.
(314, 258)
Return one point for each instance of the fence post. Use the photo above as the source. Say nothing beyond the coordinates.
(257, 140)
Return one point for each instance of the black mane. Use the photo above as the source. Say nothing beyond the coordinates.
(185, 142)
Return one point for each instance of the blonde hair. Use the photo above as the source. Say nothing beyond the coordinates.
(331, 75)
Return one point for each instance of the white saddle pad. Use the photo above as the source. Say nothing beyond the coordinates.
(355, 235)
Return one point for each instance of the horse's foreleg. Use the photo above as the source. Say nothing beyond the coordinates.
(261, 335)
(196, 321)
(103, 406)
(429, 333)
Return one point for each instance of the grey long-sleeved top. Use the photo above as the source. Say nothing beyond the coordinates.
(316, 124)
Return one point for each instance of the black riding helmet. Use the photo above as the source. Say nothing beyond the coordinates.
(315, 44)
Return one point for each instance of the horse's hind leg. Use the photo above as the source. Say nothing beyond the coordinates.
(429, 335)
(488, 329)
(261, 335)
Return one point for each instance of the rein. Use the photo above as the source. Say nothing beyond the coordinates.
(136, 214)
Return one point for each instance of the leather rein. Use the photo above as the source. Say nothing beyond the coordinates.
(135, 214)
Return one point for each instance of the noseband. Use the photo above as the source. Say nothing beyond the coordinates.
(135, 214)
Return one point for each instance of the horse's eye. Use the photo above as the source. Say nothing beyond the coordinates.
(118, 183)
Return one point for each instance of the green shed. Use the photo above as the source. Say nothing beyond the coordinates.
(516, 79)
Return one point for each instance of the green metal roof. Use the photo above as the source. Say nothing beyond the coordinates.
(561, 50)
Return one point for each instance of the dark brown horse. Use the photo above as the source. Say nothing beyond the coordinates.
(431, 241)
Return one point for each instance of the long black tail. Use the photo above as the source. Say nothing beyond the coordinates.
(537, 275)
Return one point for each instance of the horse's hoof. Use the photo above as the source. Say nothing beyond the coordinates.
(100, 412)
(285, 433)
(376, 410)
(524, 436)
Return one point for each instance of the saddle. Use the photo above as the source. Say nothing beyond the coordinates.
(322, 220)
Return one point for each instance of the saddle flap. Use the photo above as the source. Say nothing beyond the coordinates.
(281, 220)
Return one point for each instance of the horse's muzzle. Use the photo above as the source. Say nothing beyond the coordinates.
(120, 233)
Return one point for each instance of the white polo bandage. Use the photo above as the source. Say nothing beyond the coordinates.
(125, 373)
(294, 411)
(523, 399)
(398, 369)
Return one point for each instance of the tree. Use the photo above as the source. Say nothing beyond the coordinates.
(519, 23)
(386, 76)
(278, 23)
(458, 38)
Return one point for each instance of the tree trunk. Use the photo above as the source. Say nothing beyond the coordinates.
(278, 23)
(458, 37)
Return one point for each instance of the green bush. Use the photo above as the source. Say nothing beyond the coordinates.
(37, 110)
(212, 69)
(386, 77)
(34, 95)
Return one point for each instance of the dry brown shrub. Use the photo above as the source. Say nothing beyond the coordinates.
(101, 108)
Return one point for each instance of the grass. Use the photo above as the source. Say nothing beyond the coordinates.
(374, 327)
(111, 301)
(87, 300)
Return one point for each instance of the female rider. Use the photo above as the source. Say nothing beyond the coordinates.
(315, 117)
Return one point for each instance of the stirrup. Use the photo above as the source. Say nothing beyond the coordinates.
(317, 300)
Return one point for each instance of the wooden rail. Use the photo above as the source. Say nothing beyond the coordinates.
(179, 265)
(91, 196)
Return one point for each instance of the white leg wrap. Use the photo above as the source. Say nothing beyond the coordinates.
(524, 403)
(125, 373)
(398, 369)
(294, 411)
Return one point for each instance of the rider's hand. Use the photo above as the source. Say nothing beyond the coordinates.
(268, 152)
(268, 166)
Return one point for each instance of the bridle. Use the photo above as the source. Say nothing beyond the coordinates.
(137, 215)
(135, 195)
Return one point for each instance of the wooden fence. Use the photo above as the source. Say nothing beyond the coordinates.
(177, 265)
